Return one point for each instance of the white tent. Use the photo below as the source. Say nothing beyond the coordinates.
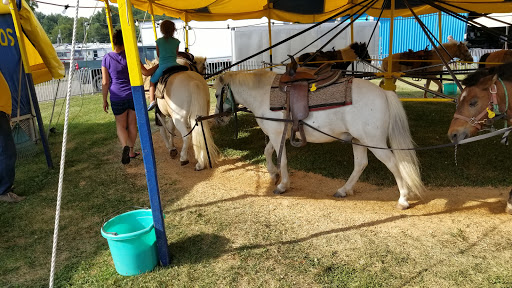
(504, 17)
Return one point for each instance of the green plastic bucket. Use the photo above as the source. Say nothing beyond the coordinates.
(450, 88)
(132, 242)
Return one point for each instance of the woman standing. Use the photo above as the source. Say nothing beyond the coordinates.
(115, 79)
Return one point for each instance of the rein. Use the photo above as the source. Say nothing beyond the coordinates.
(491, 110)
(286, 121)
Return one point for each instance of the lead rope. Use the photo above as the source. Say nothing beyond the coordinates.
(63, 153)
(455, 154)
(504, 139)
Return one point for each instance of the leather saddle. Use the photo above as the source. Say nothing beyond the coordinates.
(296, 84)
(415, 55)
(170, 71)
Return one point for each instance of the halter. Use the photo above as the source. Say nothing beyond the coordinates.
(491, 110)
(229, 99)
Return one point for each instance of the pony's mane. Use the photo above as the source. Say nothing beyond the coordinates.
(483, 58)
(503, 71)
(247, 79)
(450, 44)
(357, 45)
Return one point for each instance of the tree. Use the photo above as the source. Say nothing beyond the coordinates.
(96, 25)
(32, 4)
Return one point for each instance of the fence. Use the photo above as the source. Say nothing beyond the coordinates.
(84, 81)
(88, 81)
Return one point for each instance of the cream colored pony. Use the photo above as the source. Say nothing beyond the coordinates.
(375, 117)
(186, 96)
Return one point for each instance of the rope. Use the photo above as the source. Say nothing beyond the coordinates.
(465, 141)
(63, 154)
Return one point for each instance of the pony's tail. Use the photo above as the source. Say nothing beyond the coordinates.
(200, 106)
(400, 138)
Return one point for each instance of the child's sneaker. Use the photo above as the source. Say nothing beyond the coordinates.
(151, 105)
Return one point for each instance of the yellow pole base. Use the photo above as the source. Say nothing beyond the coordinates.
(388, 84)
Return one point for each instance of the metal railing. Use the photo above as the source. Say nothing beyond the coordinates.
(84, 81)
(88, 81)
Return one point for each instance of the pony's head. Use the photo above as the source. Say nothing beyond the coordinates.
(459, 50)
(224, 98)
(471, 113)
(361, 50)
(146, 79)
(199, 62)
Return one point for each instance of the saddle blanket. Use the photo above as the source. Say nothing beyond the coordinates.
(160, 87)
(336, 95)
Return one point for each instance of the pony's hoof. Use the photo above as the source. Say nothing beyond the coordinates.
(198, 167)
(340, 195)
(509, 208)
(276, 177)
(183, 163)
(401, 206)
(173, 153)
(278, 192)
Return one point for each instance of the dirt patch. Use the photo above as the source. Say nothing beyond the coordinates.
(450, 231)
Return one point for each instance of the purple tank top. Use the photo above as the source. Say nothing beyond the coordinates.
(120, 88)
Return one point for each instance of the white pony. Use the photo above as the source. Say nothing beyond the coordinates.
(186, 97)
(374, 117)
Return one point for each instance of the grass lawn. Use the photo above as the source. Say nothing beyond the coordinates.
(96, 184)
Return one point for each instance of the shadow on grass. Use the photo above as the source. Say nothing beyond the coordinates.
(96, 184)
(198, 248)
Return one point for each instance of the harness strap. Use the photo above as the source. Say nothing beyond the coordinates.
(506, 99)
(493, 106)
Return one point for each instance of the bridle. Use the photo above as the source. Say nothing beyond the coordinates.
(491, 110)
(229, 99)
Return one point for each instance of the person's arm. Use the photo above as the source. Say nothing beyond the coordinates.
(148, 72)
(105, 83)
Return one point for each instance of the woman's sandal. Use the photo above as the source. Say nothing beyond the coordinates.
(125, 157)
(135, 156)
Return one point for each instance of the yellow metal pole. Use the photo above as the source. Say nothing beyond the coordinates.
(152, 18)
(186, 35)
(351, 29)
(146, 142)
(109, 22)
(388, 79)
(270, 39)
(439, 16)
(130, 42)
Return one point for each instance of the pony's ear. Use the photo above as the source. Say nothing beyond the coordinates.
(494, 78)
(486, 82)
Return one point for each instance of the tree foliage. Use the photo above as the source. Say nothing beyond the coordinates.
(96, 26)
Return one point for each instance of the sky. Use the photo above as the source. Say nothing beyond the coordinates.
(70, 12)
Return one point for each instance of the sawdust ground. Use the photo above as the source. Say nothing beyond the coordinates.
(234, 179)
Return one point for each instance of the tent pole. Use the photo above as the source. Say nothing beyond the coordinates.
(186, 36)
(152, 19)
(439, 16)
(351, 29)
(109, 22)
(30, 81)
(506, 33)
(270, 41)
(388, 76)
(134, 70)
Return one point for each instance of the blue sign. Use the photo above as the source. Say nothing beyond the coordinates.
(10, 67)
